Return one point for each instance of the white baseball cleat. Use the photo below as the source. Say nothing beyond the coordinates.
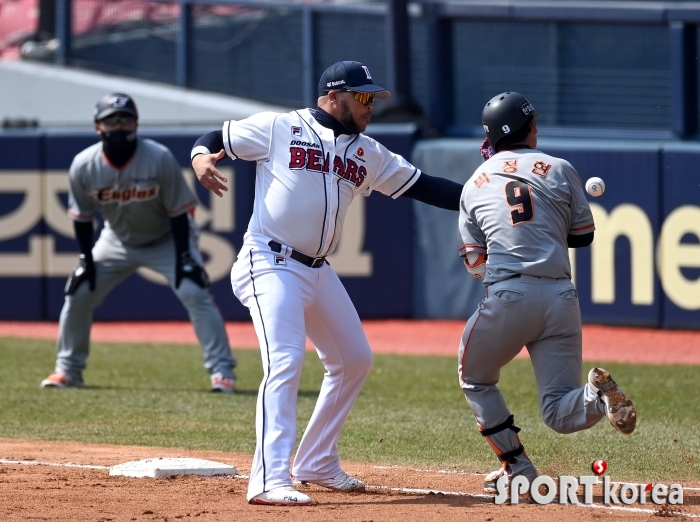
(221, 383)
(618, 406)
(282, 496)
(491, 479)
(341, 482)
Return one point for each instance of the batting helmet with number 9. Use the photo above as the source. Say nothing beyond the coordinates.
(505, 114)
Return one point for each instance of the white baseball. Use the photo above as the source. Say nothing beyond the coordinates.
(595, 187)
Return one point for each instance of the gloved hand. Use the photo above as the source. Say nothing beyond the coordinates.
(476, 264)
(84, 271)
(187, 267)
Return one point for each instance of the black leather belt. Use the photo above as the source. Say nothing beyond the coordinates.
(312, 262)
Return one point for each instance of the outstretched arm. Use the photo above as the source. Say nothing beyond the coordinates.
(438, 192)
(204, 162)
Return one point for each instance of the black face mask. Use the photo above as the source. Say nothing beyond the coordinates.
(119, 146)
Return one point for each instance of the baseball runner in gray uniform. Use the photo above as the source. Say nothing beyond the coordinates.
(518, 214)
(138, 187)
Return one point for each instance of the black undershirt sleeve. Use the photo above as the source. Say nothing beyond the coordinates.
(181, 234)
(438, 192)
(579, 241)
(213, 140)
(84, 237)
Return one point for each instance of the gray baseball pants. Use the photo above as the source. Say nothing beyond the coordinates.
(543, 315)
(114, 262)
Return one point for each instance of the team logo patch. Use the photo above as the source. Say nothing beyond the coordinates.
(526, 108)
(280, 260)
(360, 151)
(118, 101)
(296, 131)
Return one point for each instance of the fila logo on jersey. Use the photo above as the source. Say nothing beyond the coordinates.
(312, 159)
(113, 194)
(296, 131)
(280, 260)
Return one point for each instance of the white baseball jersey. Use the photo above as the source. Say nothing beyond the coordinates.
(519, 207)
(296, 203)
(138, 201)
(306, 179)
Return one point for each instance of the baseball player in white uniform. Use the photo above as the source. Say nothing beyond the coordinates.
(518, 214)
(311, 164)
(138, 187)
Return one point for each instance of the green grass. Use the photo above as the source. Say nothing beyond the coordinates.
(411, 411)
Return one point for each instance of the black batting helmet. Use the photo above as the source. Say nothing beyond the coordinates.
(114, 103)
(504, 114)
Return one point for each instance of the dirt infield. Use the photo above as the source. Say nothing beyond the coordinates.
(600, 343)
(60, 493)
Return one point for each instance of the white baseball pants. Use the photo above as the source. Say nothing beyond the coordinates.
(289, 301)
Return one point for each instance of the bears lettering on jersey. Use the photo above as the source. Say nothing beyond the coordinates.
(123, 196)
(307, 156)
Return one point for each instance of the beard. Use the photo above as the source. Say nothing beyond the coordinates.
(347, 119)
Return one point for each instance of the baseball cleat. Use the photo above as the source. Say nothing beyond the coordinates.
(62, 380)
(282, 496)
(341, 482)
(618, 406)
(491, 479)
(221, 383)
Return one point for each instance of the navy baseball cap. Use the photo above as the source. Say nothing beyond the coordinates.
(350, 76)
(114, 103)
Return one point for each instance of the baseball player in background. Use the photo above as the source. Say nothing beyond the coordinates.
(311, 164)
(138, 187)
(519, 213)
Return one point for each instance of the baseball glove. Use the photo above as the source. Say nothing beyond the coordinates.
(187, 267)
(83, 271)
(476, 264)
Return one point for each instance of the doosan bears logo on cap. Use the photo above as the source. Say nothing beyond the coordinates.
(118, 101)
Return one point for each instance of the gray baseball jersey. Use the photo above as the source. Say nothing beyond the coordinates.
(136, 202)
(519, 207)
(511, 190)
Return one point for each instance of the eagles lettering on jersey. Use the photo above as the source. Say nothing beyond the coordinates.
(124, 196)
(308, 156)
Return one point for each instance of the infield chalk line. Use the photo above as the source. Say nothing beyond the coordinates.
(56, 464)
(386, 488)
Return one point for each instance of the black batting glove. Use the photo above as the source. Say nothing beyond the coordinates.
(83, 271)
(189, 268)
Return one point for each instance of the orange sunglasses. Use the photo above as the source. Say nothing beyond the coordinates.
(365, 98)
